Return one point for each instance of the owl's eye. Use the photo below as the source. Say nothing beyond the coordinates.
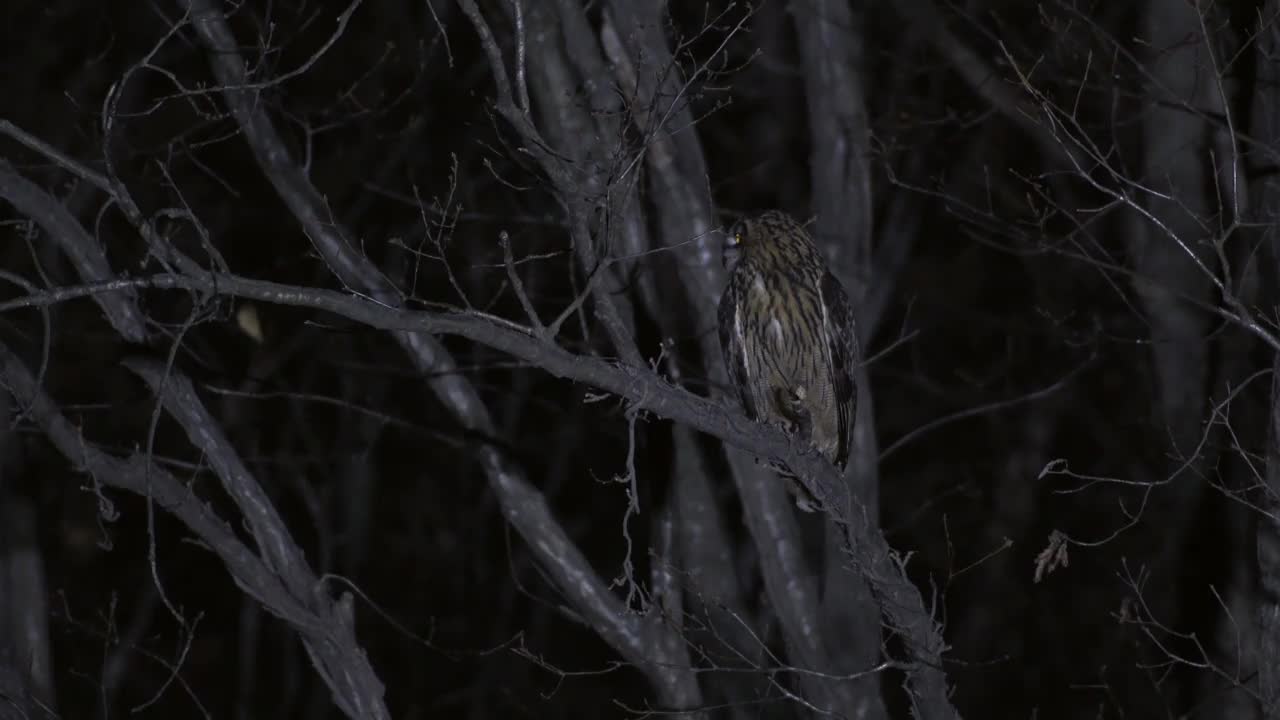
(732, 249)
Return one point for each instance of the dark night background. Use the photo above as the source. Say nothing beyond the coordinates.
(1054, 219)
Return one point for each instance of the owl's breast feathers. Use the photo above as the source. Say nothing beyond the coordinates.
(787, 333)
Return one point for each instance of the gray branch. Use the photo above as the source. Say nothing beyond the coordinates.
(325, 625)
(83, 251)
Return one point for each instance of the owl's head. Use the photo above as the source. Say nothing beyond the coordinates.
(763, 232)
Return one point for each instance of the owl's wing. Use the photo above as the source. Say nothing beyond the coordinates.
(842, 340)
(733, 346)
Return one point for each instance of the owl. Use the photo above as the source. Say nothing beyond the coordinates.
(787, 334)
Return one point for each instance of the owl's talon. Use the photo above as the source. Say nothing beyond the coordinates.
(799, 412)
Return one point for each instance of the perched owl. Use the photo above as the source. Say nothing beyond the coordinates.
(787, 333)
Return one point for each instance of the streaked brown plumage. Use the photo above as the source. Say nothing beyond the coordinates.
(787, 333)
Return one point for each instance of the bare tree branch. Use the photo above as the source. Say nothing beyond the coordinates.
(84, 252)
(332, 643)
(327, 626)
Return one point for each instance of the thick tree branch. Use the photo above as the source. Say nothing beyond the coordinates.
(325, 625)
(839, 159)
(280, 552)
(84, 253)
(337, 655)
